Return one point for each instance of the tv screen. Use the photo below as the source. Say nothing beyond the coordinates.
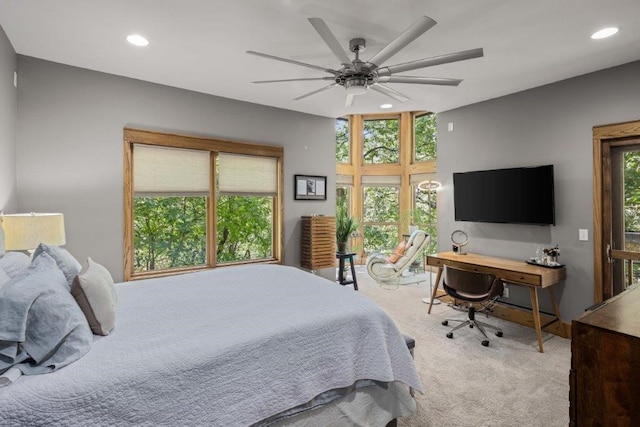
(515, 195)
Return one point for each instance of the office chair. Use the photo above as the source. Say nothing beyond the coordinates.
(474, 288)
(386, 269)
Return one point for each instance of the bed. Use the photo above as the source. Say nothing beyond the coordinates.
(246, 345)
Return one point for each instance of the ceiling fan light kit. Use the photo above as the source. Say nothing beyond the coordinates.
(357, 76)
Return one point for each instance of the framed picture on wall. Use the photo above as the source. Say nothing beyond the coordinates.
(310, 187)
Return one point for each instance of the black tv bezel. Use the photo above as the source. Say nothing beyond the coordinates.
(551, 193)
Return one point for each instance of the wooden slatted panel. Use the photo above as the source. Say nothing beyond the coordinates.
(318, 242)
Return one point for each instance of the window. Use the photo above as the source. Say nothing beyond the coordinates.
(193, 203)
(424, 208)
(381, 141)
(397, 152)
(343, 154)
(381, 212)
(424, 137)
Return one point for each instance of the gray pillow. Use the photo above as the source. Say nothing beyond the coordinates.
(66, 262)
(41, 326)
(95, 293)
(13, 263)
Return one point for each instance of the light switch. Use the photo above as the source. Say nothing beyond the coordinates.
(583, 234)
(450, 126)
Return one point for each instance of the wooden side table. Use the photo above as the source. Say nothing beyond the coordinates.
(342, 257)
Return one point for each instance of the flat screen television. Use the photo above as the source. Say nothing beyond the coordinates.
(515, 195)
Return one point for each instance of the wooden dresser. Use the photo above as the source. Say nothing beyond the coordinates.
(605, 363)
(318, 242)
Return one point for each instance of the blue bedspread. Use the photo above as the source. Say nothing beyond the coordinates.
(231, 346)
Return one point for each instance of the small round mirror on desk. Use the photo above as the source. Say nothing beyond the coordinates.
(459, 239)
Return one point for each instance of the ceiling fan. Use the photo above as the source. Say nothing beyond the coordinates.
(357, 76)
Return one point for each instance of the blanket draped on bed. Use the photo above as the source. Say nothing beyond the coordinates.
(231, 346)
(41, 326)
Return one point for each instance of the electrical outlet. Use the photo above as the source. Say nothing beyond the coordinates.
(505, 291)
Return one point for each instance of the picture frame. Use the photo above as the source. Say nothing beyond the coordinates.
(310, 187)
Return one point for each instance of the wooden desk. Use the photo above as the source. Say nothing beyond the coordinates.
(510, 271)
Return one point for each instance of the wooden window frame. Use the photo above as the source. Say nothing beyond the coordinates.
(214, 146)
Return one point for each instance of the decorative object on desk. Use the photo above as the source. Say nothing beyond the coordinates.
(346, 225)
(310, 187)
(459, 239)
(551, 255)
(24, 232)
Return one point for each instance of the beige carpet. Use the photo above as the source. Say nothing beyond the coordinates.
(508, 383)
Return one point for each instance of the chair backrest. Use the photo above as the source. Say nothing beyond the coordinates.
(416, 243)
(471, 285)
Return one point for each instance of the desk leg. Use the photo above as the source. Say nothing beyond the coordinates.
(435, 289)
(556, 310)
(536, 316)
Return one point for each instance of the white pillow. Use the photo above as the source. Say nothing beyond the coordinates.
(95, 293)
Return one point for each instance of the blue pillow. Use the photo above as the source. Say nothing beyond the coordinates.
(41, 327)
(69, 266)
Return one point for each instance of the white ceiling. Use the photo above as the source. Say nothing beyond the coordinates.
(200, 45)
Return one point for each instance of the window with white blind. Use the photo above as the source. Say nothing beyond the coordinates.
(193, 203)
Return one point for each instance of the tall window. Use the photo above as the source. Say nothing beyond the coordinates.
(343, 154)
(424, 137)
(193, 203)
(396, 151)
(381, 141)
(381, 212)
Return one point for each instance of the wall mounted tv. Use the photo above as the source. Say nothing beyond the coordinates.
(516, 195)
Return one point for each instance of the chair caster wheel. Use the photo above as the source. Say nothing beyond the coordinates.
(471, 325)
(499, 333)
(445, 322)
(450, 335)
(485, 343)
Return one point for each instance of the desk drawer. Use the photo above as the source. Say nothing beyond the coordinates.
(514, 276)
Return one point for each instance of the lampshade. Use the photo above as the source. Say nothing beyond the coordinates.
(27, 231)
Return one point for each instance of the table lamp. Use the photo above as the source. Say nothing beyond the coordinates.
(24, 232)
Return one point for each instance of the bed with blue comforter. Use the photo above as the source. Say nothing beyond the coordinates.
(246, 345)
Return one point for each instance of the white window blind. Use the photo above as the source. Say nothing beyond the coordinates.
(243, 175)
(381, 180)
(162, 171)
(344, 179)
(418, 178)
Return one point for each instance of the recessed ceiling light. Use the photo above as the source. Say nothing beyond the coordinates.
(385, 106)
(137, 39)
(604, 33)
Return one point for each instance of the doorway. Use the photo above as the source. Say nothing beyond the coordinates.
(616, 208)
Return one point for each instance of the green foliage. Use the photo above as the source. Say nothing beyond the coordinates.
(170, 232)
(346, 225)
(342, 141)
(424, 137)
(381, 204)
(381, 141)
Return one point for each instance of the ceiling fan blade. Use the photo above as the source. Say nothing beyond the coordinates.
(350, 98)
(322, 89)
(420, 80)
(291, 61)
(294, 80)
(429, 62)
(386, 90)
(331, 40)
(409, 35)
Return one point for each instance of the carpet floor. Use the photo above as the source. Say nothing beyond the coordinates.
(508, 383)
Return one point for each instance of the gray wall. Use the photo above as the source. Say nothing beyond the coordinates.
(8, 123)
(546, 125)
(70, 148)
